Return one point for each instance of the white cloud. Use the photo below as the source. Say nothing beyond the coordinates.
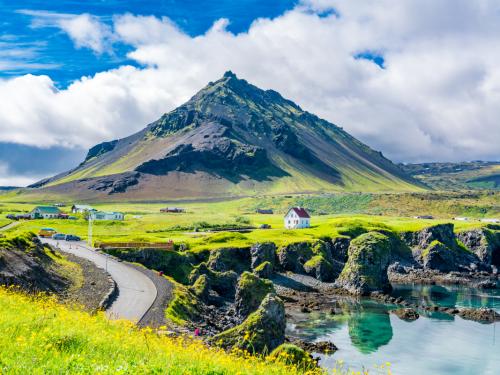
(436, 99)
(85, 30)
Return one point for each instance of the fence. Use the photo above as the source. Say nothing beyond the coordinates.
(135, 245)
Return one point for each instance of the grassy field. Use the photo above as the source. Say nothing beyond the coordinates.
(144, 222)
(40, 336)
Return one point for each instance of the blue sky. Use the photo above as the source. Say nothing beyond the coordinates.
(418, 80)
(49, 51)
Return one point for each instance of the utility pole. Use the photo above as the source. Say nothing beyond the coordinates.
(89, 237)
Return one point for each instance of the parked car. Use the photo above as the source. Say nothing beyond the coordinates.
(47, 232)
(59, 236)
(11, 217)
(265, 226)
(72, 237)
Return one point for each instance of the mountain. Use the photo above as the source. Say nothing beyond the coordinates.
(230, 139)
(457, 176)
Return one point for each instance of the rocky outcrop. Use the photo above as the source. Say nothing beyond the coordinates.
(339, 249)
(406, 314)
(263, 252)
(116, 183)
(201, 287)
(229, 259)
(422, 239)
(366, 267)
(250, 292)
(264, 270)
(224, 283)
(25, 264)
(321, 269)
(437, 248)
(485, 243)
(293, 256)
(263, 330)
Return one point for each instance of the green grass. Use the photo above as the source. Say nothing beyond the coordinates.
(144, 222)
(40, 336)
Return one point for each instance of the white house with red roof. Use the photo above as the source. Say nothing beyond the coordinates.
(297, 218)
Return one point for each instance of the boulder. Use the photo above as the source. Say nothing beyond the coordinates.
(263, 252)
(441, 232)
(323, 248)
(229, 259)
(293, 256)
(366, 267)
(262, 331)
(406, 314)
(320, 268)
(264, 270)
(250, 292)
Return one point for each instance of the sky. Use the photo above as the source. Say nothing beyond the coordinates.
(418, 80)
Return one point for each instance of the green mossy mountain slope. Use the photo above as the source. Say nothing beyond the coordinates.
(231, 138)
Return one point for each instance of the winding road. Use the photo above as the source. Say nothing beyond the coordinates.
(137, 292)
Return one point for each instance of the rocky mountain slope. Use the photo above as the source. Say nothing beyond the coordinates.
(231, 138)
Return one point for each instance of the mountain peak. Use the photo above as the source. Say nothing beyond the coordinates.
(229, 74)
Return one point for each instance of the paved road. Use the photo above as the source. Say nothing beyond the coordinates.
(10, 225)
(136, 291)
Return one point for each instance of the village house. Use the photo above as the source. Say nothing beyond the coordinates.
(80, 209)
(100, 215)
(297, 218)
(45, 212)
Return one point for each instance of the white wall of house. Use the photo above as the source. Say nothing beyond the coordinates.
(107, 216)
(293, 221)
(36, 213)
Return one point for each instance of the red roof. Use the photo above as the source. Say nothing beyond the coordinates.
(301, 212)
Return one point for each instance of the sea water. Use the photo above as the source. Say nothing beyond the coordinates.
(368, 335)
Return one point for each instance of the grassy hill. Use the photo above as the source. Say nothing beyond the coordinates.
(230, 139)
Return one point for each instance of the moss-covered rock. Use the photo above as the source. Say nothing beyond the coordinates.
(250, 292)
(293, 256)
(320, 268)
(340, 247)
(224, 283)
(264, 270)
(184, 307)
(201, 287)
(366, 267)
(485, 243)
(261, 253)
(262, 331)
(438, 256)
(229, 259)
(292, 355)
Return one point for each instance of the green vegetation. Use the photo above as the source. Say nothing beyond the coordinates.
(40, 336)
(292, 355)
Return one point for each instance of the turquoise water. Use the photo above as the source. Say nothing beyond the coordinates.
(367, 334)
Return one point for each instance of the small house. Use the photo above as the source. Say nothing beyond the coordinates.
(100, 215)
(45, 212)
(263, 211)
(297, 218)
(80, 209)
